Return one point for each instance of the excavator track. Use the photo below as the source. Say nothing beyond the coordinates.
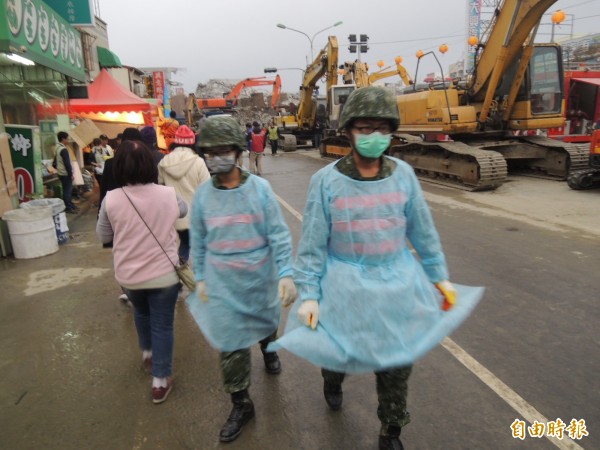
(584, 179)
(556, 159)
(587, 178)
(287, 142)
(454, 164)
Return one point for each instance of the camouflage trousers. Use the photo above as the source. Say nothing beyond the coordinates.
(235, 366)
(392, 390)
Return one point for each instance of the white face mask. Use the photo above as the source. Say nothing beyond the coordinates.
(221, 164)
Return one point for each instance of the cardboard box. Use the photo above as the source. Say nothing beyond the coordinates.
(8, 185)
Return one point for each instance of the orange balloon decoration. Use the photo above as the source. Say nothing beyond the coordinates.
(398, 60)
(443, 48)
(420, 54)
(473, 40)
(380, 64)
(558, 17)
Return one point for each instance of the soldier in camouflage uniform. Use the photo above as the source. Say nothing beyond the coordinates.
(353, 266)
(241, 251)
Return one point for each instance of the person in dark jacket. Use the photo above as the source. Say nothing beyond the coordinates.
(149, 138)
(62, 163)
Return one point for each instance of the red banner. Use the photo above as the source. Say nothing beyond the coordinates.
(158, 80)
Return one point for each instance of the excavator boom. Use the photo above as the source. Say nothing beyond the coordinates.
(475, 132)
(299, 127)
(513, 25)
(400, 71)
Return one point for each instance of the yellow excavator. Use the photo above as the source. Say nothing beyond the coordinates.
(515, 86)
(299, 128)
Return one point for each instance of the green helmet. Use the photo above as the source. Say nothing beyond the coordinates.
(370, 102)
(221, 130)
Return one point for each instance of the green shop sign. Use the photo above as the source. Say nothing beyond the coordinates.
(76, 12)
(26, 158)
(35, 31)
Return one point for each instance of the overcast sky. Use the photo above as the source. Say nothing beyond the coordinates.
(239, 38)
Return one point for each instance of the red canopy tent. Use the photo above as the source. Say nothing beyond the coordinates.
(107, 95)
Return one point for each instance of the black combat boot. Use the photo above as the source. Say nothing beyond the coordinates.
(333, 395)
(241, 413)
(389, 438)
(272, 364)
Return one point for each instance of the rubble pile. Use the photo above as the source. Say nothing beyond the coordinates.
(253, 105)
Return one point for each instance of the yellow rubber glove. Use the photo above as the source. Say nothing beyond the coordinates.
(308, 313)
(201, 290)
(449, 293)
(287, 291)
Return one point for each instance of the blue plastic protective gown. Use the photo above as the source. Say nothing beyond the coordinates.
(241, 247)
(378, 306)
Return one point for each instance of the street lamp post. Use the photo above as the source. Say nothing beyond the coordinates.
(310, 40)
(275, 69)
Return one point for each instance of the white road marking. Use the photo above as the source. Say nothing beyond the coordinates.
(514, 400)
(287, 206)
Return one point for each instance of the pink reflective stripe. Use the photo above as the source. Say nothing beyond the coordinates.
(235, 219)
(370, 201)
(368, 224)
(240, 264)
(240, 244)
(369, 248)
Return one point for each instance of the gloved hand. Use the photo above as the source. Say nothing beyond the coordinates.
(287, 291)
(308, 313)
(201, 290)
(449, 293)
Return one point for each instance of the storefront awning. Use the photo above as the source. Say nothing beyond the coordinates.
(106, 58)
(108, 95)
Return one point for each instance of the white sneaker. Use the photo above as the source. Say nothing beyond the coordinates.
(125, 300)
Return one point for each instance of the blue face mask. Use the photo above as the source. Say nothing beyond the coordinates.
(372, 145)
(221, 164)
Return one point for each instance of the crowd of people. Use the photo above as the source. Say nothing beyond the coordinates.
(366, 303)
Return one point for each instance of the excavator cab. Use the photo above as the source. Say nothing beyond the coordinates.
(337, 98)
(541, 93)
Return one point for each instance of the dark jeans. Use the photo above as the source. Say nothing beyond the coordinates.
(184, 244)
(274, 145)
(392, 390)
(67, 187)
(317, 140)
(154, 316)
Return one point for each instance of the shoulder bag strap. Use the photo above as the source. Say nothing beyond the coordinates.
(153, 235)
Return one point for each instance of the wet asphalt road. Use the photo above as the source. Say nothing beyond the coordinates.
(72, 377)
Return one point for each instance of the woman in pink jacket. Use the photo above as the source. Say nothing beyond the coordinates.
(139, 218)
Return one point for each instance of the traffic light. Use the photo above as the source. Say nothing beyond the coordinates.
(360, 46)
(270, 69)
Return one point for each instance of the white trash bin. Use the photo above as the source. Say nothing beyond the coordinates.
(58, 215)
(32, 232)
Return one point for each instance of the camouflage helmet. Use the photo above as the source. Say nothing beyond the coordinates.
(371, 102)
(221, 130)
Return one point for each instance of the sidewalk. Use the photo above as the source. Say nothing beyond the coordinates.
(71, 369)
